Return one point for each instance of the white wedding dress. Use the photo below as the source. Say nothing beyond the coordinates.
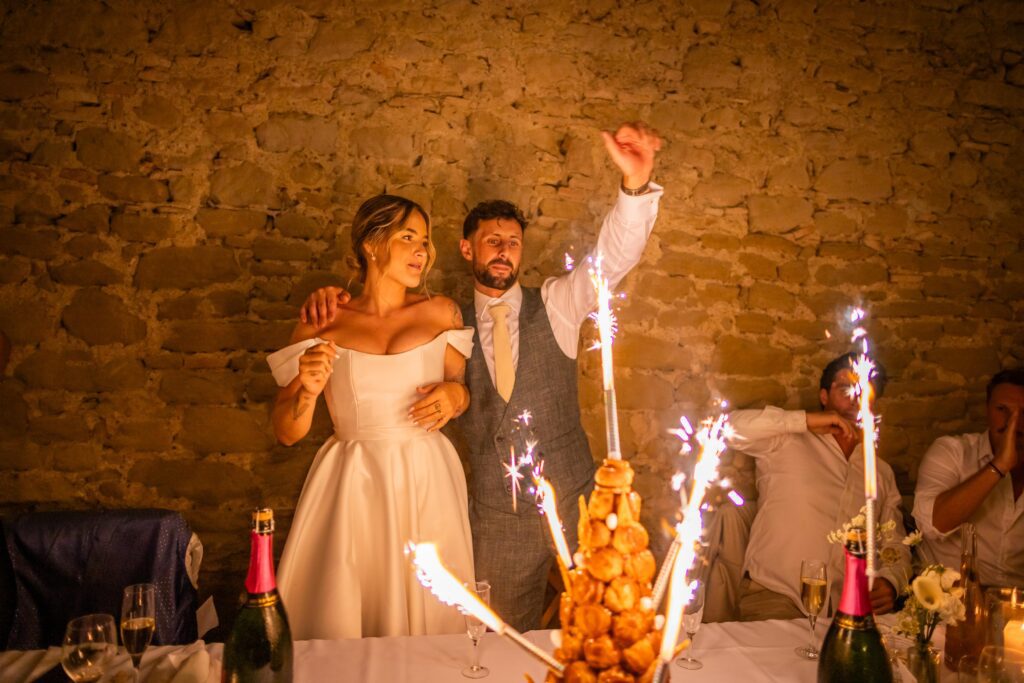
(377, 483)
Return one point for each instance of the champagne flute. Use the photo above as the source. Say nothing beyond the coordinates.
(693, 614)
(998, 664)
(476, 629)
(138, 620)
(89, 646)
(813, 586)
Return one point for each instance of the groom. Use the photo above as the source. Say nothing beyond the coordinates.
(524, 358)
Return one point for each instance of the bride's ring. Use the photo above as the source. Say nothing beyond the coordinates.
(437, 407)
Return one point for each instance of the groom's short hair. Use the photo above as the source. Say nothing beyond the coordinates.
(494, 208)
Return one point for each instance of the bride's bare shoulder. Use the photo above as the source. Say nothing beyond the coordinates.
(441, 309)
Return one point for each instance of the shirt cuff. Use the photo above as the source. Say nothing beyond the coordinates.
(639, 208)
(796, 421)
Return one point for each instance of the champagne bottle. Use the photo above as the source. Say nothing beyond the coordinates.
(853, 651)
(967, 637)
(259, 648)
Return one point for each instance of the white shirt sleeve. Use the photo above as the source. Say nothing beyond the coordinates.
(762, 432)
(570, 298)
(939, 472)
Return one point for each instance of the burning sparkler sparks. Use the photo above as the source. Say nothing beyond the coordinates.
(436, 578)
(523, 459)
(863, 368)
(712, 441)
(606, 327)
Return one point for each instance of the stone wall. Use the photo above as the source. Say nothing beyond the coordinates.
(176, 176)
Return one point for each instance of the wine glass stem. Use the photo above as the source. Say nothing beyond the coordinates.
(476, 655)
(811, 618)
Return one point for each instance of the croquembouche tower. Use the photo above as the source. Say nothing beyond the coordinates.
(608, 621)
(607, 612)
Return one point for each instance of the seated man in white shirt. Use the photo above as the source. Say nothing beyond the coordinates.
(964, 479)
(810, 479)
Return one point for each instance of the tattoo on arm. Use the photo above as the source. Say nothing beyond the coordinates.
(456, 314)
(303, 402)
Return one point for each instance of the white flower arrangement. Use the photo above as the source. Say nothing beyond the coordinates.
(859, 523)
(933, 600)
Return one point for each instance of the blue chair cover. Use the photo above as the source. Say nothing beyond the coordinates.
(66, 564)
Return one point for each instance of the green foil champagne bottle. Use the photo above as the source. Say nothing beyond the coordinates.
(259, 648)
(853, 651)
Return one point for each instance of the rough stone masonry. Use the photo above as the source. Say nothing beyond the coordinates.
(175, 177)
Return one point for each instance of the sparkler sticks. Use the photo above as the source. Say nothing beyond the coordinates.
(863, 368)
(711, 438)
(606, 327)
(434, 576)
(549, 505)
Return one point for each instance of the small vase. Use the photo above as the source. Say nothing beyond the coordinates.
(923, 661)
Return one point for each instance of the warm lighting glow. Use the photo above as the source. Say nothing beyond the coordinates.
(549, 506)
(863, 368)
(1013, 635)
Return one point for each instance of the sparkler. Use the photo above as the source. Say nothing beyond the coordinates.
(435, 577)
(606, 327)
(549, 506)
(711, 438)
(863, 368)
(525, 459)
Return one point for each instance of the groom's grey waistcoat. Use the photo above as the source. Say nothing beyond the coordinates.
(546, 386)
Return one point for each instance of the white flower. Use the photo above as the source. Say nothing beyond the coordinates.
(928, 591)
(948, 578)
(913, 538)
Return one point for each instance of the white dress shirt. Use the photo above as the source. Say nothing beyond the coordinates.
(807, 488)
(998, 520)
(570, 298)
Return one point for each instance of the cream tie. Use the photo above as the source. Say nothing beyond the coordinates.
(504, 374)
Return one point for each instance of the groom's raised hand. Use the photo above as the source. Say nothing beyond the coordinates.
(632, 147)
(321, 306)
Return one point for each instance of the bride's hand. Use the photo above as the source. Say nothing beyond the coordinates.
(442, 402)
(315, 367)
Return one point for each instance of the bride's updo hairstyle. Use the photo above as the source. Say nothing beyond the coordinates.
(376, 222)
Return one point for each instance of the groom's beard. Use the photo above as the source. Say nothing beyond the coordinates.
(488, 279)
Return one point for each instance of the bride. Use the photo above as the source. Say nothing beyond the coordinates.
(391, 370)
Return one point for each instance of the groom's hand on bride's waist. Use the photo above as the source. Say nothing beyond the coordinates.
(321, 306)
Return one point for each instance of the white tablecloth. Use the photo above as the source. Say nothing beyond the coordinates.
(750, 652)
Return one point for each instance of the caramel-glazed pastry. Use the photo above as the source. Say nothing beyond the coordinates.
(592, 620)
(622, 594)
(608, 633)
(640, 566)
(601, 652)
(605, 564)
(614, 474)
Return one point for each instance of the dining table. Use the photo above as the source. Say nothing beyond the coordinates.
(747, 652)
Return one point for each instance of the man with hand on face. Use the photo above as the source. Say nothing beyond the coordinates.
(524, 359)
(978, 478)
(810, 480)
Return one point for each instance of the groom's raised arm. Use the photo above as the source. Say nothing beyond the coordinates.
(570, 298)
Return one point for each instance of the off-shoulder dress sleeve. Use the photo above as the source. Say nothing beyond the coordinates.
(461, 340)
(284, 364)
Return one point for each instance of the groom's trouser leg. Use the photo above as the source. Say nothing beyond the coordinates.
(515, 552)
(511, 552)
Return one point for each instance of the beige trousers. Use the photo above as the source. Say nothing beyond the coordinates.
(757, 603)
